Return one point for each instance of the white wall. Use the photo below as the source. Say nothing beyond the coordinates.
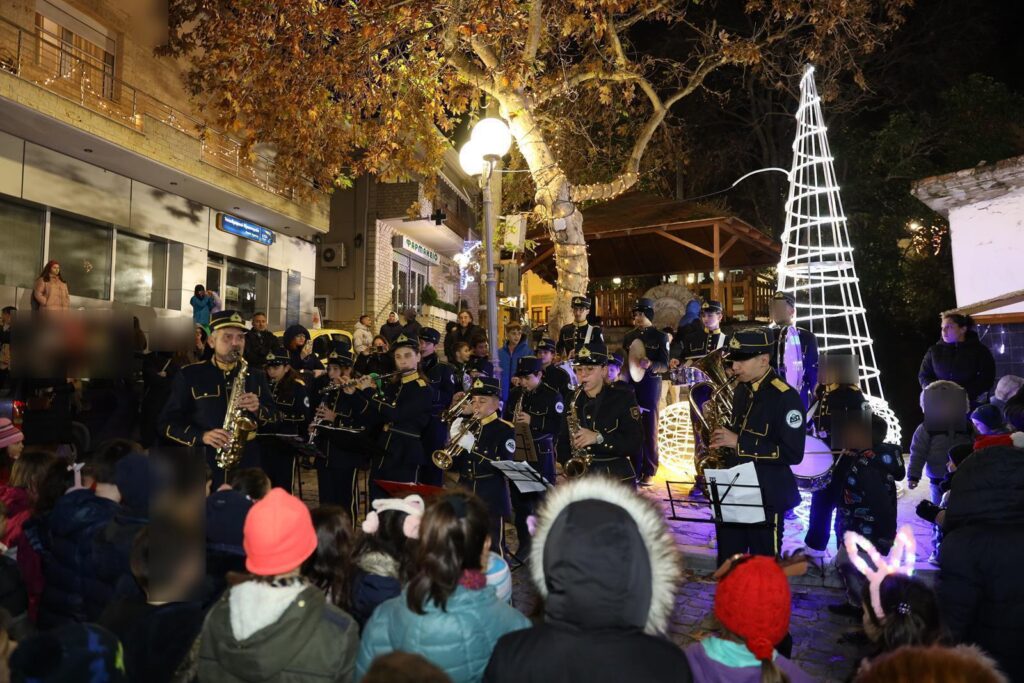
(988, 250)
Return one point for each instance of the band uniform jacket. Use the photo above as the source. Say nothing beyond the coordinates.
(572, 337)
(496, 441)
(558, 379)
(442, 381)
(768, 416)
(545, 407)
(648, 389)
(613, 414)
(403, 407)
(481, 364)
(199, 401)
(809, 353)
(697, 342)
(293, 409)
(338, 440)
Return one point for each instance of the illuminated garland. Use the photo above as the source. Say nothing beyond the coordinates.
(817, 258)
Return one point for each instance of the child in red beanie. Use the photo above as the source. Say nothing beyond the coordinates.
(752, 604)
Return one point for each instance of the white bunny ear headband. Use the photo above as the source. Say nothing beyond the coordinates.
(412, 506)
(899, 561)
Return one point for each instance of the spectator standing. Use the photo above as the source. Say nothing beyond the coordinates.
(448, 613)
(259, 341)
(464, 331)
(391, 328)
(301, 357)
(412, 327)
(607, 569)
(514, 348)
(362, 338)
(276, 625)
(50, 292)
(202, 306)
(959, 357)
(378, 361)
(929, 449)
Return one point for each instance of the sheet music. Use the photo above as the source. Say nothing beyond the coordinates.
(739, 492)
(522, 475)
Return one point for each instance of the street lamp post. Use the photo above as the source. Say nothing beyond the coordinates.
(489, 141)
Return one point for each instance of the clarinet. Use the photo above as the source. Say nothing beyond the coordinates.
(328, 392)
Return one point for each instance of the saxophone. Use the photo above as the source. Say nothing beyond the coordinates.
(579, 462)
(236, 422)
(713, 412)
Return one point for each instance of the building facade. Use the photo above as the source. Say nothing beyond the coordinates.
(108, 167)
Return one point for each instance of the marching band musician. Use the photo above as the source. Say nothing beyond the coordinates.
(479, 363)
(194, 413)
(378, 361)
(404, 410)
(574, 335)
(291, 420)
(493, 440)
(609, 419)
(767, 428)
(553, 375)
(795, 356)
(697, 341)
(614, 372)
(337, 472)
(648, 389)
(442, 383)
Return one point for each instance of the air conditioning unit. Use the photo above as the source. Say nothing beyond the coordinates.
(333, 255)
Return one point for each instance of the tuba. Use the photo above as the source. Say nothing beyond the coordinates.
(236, 422)
(579, 462)
(444, 457)
(714, 411)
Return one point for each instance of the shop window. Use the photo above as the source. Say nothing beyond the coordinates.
(241, 288)
(22, 228)
(140, 271)
(83, 250)
(73, 47)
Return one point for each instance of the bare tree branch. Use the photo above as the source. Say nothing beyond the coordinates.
(534, 32)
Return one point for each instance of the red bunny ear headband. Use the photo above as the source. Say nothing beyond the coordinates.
(412, 506)
(899, 561)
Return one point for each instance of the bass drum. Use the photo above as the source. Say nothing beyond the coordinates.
(815, 471)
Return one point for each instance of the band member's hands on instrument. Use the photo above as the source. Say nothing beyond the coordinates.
(723, 438)
(645, 363)
(673, 363)
(326, 414)
(523, 418)
(216, 438)
(250, 402)
(585, 437)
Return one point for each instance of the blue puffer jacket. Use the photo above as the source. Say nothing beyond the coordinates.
(459, 640)
(73, 589)
(508, 363)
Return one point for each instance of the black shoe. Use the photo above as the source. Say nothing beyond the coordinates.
(646, 480)
(845, 609)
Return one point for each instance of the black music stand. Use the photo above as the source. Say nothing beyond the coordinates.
(715, 503)
(528, 475)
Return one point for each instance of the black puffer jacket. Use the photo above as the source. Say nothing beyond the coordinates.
(980, 588)
(607, 568)
(968, 363)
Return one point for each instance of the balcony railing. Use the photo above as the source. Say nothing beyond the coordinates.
(42, 58)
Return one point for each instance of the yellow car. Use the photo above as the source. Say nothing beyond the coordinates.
(324, 341)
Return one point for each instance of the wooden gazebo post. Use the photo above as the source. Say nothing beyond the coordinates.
(716, 260)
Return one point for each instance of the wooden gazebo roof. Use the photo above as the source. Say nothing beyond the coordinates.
(642, 234)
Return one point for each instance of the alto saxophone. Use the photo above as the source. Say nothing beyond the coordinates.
(236, 422)
(580, 459)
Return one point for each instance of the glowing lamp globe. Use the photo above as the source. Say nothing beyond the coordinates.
(492, 136)
(471, 158)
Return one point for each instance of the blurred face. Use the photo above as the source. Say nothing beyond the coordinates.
(5, 318)
(334, 372)
(406, 359)
(55, 269)
(484, 405)
(531, 382)
(465, 319)
(545, 357)
(14, 450)
(579, 314)
(711, 319)
(752, 369)
(515, 335)
(199, 337)
(201, 293)
(951, 332)
(590, 376)
(228, 344)
(639, 319)
(275, 372)
(259, 323)
(380, 346)
(612, 372)
(392, 318)
(462, 354)
(365, 320)
(481, 350)
(782, 312)
(426, 348)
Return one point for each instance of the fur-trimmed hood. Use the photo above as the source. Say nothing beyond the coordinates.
(603, 558)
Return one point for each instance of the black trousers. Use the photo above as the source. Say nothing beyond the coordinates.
(337, 486)
(648, 394)
(750, 538)
(388, 470)
(279, 464)
(823, 507)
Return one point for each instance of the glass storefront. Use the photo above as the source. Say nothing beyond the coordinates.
(140, 271)
(22, 230)
(83, 250)
(245, 288)
(409, 277)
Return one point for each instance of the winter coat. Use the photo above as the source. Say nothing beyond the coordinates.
(461, 334)
(509, 360)
(376, 580)
(112, 547)
(73, 591)
(19, 509)
(458, 640)
(692, 314)
(868, 501)
(607, 569)
(929, 452)
(201, 309)
(155, 638)
(298, 363)
(412, 329)
(362, 339)
(980, 591)
(288, 634)
(706, 669)
(390, 331)
(13, 596)
(52, 295)
(968, 363)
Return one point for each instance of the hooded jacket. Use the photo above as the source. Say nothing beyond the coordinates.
(290, 634)
(968, 363)
(298, 363)
(608, 569)
(980, 591)
(391, 331)
(362, 339)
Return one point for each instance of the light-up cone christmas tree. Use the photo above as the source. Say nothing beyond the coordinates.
(817, 257)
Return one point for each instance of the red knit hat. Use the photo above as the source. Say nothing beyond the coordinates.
(278, 535)
(753, 602)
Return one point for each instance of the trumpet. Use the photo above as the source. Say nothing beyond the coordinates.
(444, 457)
(449, 415)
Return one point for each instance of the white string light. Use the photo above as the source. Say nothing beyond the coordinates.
(817, 258)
